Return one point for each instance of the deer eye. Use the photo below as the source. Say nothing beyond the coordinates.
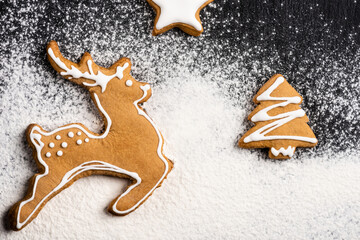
(129, 83)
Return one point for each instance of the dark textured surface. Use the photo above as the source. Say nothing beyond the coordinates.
(313, 44)
(203, 90)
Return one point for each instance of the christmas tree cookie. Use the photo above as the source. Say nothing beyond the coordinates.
(280, 123)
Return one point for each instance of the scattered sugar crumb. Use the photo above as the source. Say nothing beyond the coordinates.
(203, 89)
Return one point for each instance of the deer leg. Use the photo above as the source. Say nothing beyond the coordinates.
(138, 192)
(42, 188)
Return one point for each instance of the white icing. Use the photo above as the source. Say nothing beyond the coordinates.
(48, 154)
(58, 137)
(51, 145)
(70, 134)
(78, 133)
(78, 142)
(36, 141)
(179, 11)
(128, 83)
(64, 145)
(286, 152)
(99, 78)
(86, 166)
(159, 148)
(283, 118)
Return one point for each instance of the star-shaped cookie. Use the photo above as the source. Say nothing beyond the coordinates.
(183, 14)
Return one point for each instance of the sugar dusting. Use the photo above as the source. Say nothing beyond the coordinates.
(202, 95)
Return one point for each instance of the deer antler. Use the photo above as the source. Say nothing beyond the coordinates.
(85, 69)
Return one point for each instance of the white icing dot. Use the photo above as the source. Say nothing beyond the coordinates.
(51, 145)
(58, 137)
(71, 134)
(59, 153)
(78, 133)
(64, 144)
(129, 83)
(78, 142)
(48, 154)
(86, 140)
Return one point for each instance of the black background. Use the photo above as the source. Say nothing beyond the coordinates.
(313, 41)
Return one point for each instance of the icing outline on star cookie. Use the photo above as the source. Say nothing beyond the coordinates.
(183, 14)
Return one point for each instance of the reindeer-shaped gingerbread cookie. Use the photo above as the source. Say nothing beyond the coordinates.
(130, 147)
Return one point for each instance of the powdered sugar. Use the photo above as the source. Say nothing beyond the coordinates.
(202, 95)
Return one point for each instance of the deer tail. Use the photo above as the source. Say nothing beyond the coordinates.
(34, 135)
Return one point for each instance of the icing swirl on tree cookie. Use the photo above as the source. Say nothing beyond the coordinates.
(283, 118)
(286, 152)
(280, 124)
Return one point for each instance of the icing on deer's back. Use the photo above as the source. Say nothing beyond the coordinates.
(62, 138)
